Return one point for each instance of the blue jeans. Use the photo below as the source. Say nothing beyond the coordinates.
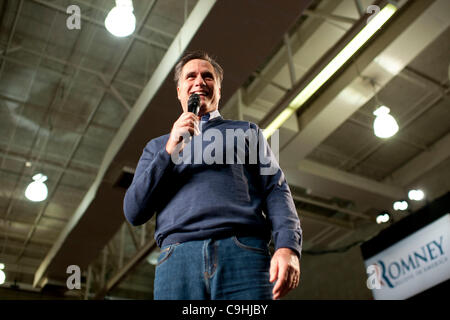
(235, 268)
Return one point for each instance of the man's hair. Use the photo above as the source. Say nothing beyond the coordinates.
(197, 55)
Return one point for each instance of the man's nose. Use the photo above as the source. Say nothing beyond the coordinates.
(199, 81)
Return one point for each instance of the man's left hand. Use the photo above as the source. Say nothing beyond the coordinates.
(284, 266)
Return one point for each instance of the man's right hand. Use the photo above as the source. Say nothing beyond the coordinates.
(187, 123)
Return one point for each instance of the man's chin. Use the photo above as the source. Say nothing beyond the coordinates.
(205, 110)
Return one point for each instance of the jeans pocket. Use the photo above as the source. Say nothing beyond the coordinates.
(252, 244)
(166, 252)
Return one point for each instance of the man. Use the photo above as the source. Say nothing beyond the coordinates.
(214, 220)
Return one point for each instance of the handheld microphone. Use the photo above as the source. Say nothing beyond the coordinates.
(194, 103)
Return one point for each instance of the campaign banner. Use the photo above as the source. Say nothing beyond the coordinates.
(412, 265)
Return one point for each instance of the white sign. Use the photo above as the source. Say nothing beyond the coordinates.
(412, 265)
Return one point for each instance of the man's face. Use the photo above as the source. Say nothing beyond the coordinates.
(198, 76)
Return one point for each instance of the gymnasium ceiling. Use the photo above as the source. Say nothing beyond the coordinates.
(79, 106)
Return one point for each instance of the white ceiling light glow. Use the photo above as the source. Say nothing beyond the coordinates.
(2, 274)
(384, 125)
(121, 21)
(400, 205)
(37, 190)
(333, 66)
(416, 195)
(383, 218)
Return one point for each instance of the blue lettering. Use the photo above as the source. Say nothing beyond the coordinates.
(439, 245)
(424, 257)
(383, 274)
(398, 270)
(431, 250)
(395, 269)
(407, 266)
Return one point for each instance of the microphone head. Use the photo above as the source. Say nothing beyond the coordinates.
(194, 103)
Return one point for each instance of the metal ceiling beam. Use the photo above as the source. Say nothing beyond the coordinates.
(89, 120)
(67, 162)
(134, 36)
(35, 138)
(85, 69)
(107, 87)
(151, 28)
(414, 27)
(422, 106)
(21, 237)
(359, 8)
(351, 180)
(331, 17)
(11, 34)
(424, 162)
(321, 234)
(399, 136)
(325, 220)
(17, 268)
(277, 62)
(129, 266)
(54, 166)
(330, 206)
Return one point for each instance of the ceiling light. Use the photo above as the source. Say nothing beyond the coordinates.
(37, 190)
(384, 125)
(121, 21)
(2, 274)
(416, 195)
(333, 66)
(400, 205)
(383, 218)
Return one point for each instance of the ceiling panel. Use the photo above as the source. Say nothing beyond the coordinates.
(435, 60)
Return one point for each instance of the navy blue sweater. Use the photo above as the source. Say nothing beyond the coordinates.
(196, 200)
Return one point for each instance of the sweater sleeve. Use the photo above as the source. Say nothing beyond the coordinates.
(141, 198)
(278, 204)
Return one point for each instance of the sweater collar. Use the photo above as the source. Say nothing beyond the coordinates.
(209, 116)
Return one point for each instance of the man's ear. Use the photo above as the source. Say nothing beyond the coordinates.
(178, 93)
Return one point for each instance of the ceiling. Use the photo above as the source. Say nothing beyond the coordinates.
(80, 105)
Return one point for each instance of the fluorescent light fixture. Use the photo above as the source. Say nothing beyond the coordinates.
(384, 125)
(37, 190)
(121, 21)
(341, 58)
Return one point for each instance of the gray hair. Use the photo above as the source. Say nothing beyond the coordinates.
(202, 55)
